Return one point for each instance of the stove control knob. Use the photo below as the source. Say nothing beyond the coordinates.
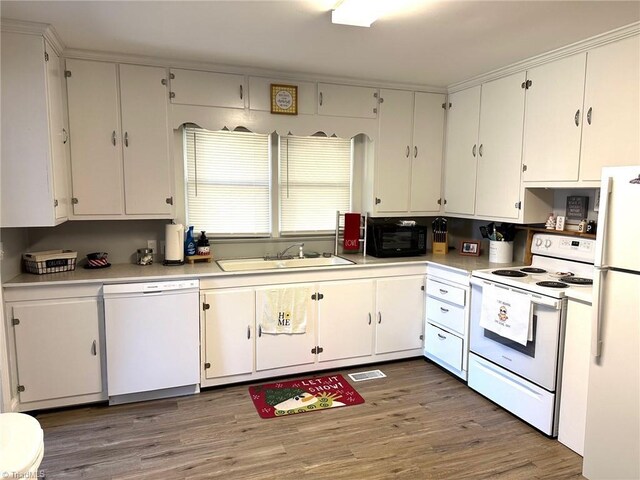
(547, 243)
(538, 242)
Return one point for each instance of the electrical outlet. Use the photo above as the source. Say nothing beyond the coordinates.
(152, 244)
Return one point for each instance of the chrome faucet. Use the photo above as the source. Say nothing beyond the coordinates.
(300, 252)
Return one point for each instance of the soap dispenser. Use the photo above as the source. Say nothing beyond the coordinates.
(190, 243)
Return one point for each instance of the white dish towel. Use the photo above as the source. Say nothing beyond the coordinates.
(285, 310)
(507, 313)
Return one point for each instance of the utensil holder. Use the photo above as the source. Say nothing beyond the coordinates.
(500, 252)
(441, 248)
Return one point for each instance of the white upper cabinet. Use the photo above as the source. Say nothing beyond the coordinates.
(34, 152)
(553, 120)
(145, 130)
(409, 156)
(347, 101)
(208, 89)
(119, 170)
(611, 132)
(260, 94)
(500, 147)
(461, 153)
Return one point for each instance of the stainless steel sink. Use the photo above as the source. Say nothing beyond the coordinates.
(244, 264)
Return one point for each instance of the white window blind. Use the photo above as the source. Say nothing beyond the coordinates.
(314, 182)
(228, 179)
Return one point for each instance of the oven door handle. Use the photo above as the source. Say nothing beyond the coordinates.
(534, 297)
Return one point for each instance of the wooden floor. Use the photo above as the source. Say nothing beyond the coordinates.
(418, 423)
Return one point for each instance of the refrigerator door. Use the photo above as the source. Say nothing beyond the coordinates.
(618, 228)
(612, 432)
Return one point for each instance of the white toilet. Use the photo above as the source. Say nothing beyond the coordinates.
(21, 446)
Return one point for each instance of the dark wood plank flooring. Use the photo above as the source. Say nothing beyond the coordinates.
(418, 423)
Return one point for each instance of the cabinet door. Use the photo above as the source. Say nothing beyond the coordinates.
(96, 148)
(428, 137)
(500, 149)
(347, 101)
(393, 167)
(611, 133)
(145, 131)
(462, 147)
(228, 332)
(345, 319)
(58, 135)
(400, 313)
(58, 348)
(285, 350)
(553, 120)
(209, 89)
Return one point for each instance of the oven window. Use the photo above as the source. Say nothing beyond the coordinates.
(397, 240)
(529, 349)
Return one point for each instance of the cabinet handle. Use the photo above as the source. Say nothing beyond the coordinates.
(241, 93)
(259, 330)
(415, 152)
(369, 318)
(589, 115)
(441, 337)
(480, 149)
(576, 118)
(444, 310)
(473, 151)
(113, 138)
(248, 332)
(408, 151)
(320, 98)
(65, 136)
(94, 349)
(379, 317)
(443, 291)
(126, 139)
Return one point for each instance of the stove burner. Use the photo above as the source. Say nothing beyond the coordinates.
(552, 284)
(533, 270)
(577, 280)
(509, 273)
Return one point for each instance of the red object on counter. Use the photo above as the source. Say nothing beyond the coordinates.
(351, 231)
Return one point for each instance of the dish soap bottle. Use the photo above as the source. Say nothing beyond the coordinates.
(203, 244)
(189, 243)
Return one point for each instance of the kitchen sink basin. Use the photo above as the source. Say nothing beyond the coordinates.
(244, 264)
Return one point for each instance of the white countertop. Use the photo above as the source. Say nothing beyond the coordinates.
(136, 273)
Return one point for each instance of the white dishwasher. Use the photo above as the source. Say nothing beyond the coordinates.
(152, 339)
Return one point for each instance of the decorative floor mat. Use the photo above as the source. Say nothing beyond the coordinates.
(306, 395)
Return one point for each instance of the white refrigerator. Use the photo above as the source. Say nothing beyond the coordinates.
(612, 433)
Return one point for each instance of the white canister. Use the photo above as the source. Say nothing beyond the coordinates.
(500, 252)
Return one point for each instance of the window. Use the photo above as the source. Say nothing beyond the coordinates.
(314, 182)
(228, 182)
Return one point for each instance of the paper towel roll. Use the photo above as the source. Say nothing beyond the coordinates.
(174, 242)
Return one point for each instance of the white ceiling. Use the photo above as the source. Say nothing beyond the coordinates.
(434, 43)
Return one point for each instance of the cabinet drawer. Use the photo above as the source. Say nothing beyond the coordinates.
(446, 292)
(444, 345)
(448, 315)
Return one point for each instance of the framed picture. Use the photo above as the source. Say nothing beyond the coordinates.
(284, 99)
(470, 247)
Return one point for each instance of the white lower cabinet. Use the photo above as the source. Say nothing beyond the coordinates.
(56, 350)
(227, 327)
(447, 320)
(575, 376)
(400, 310)
(363, 319)
(282, 349)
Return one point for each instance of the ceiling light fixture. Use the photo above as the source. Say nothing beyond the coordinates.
(358, 13)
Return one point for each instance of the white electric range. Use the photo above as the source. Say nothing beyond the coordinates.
(524, 376)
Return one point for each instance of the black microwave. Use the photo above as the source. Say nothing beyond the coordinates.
(389, 240)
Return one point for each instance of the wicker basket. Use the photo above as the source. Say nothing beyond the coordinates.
(50, 261)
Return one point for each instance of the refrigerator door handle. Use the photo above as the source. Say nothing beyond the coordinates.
(603, 219)
(596, 313)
